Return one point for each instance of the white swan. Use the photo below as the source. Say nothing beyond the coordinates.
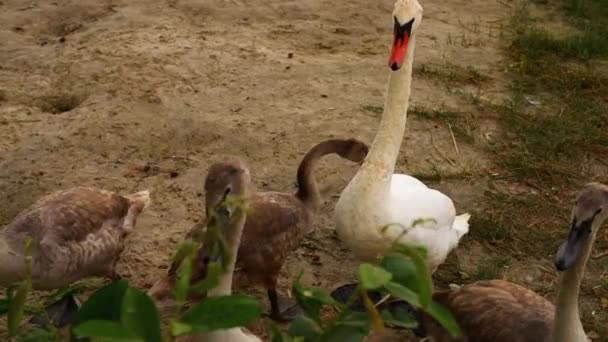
(376, 197)
(230, 177)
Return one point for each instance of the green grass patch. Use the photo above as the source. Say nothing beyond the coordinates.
(463, 124)
(589, 20)
(451, 73)
(548, 149)
(491, 268)
(373, 110)
(558, 141)
(521, 224)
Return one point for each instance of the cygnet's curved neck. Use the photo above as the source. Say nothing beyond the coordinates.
(383, 154)
(308, 191)
(567, 325)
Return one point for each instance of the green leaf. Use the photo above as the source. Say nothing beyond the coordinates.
(402, 269)
(60, 293)
(373, 277)
(179, 328)
(104, 304)
(224, 312)
(186, 248)
(140, 316)
(445, 318)
(16, 307)
(423, 275)
(311, 299)
(352, 327)
(404, 293)
(182, 281)
(37, 334)
(106, 331)
(400, 319)
(4, 305)
(275, 333)
(214, 270)
(434, 309)
(304, 327)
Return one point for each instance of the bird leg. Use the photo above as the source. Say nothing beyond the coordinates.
(275, 312)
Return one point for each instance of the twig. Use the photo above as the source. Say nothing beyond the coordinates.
(495, 21)
(504, 3)
(546, 270)
(177, 157)
(601, 161)
(441, 153)
(537, 222)
(384, 299)
(600, 255)
(19, 121)
(453, 139)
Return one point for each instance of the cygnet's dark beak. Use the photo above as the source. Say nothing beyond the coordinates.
(570, 249)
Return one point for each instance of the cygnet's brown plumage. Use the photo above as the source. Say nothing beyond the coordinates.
(75, 233)
(275, 227)
(500, 311)
(494, 310)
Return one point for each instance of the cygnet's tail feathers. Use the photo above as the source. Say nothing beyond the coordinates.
(139, 202)
(461, 224)
(141, 197)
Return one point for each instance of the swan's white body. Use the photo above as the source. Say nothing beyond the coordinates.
(376, 197)
(407, 200)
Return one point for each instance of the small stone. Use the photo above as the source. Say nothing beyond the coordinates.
(290, 55)
(154, 99)
(173, 174)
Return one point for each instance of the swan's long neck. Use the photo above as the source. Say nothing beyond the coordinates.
(568, 326)
(380, 162)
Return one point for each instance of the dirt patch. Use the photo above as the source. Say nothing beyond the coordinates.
(170, 84)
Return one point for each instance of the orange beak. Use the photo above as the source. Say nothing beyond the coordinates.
(401, 38)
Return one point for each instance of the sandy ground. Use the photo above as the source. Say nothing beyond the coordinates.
(92, 90)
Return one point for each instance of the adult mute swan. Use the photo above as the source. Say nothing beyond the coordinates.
(229, 177)
(500, 311)
(376, 197)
